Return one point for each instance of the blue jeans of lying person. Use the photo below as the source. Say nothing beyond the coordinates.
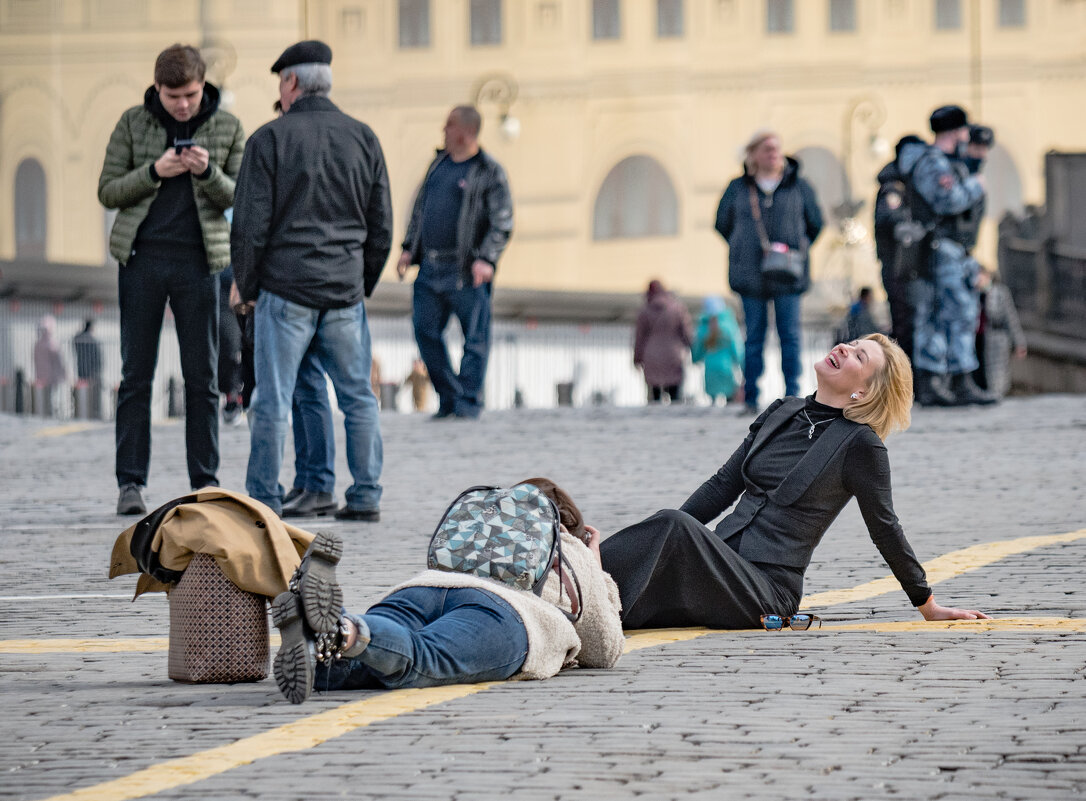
(430, 636)
(285, 331)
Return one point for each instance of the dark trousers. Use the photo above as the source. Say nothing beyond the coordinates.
(674, 393)
(673, 571)
(230, 376)
(145, 284)
(436, 299)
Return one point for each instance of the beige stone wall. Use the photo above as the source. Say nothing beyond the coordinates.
(69, 67)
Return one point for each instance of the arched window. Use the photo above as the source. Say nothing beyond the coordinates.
(636, 199)
(30, 210)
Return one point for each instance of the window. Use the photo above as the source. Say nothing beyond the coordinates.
(486, 22)
(636, 199)
(1012, 13)
(779, 16)
(948, 15)
(606, 22)
(29, 210)
(414, 23)
(669, 18)
(842, 16)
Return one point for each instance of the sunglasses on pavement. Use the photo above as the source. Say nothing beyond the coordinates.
(794, 622)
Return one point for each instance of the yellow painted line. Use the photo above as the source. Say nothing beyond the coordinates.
(648, 638)
(98, 645)
(300, 735)
(998, 624)
(943, 567)
(70, 428)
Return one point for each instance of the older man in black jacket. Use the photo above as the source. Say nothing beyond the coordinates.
(460, 224)
(312, 231)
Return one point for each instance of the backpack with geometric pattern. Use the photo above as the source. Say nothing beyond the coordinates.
(511, 535)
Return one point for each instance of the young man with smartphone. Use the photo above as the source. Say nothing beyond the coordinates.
(169, 169)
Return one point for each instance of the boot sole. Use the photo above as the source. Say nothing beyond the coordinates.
(319, 511)
(322, 597)
(294, 665)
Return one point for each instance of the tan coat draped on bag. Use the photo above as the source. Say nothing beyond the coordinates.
(256, 550)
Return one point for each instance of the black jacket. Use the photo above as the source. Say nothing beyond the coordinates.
(486, 215)
(783, 526)
(790, 214)
(312, 214)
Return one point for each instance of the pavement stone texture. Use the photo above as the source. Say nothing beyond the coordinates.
(927, 712)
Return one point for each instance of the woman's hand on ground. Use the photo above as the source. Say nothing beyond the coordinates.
(932, 611)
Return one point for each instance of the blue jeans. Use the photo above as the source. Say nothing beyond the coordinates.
(145, 283)
(314, 436)
(786, 312)
(429, 636)
(341, 340)
(437, 296)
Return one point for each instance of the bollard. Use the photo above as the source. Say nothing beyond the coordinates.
(7, 396)
(565, 393)
(388, 396)
(175, 399)
(22, 393)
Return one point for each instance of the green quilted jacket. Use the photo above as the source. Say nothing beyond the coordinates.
(126, 184)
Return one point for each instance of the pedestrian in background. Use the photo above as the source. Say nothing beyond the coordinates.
(459, 227)
(419, 382)
(49, 370)
(768, 210)
(169, 168)
(860, 320)
(88, 355)
(662, 338)
(718, 344)
(312, 231)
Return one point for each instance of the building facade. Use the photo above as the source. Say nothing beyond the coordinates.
(619, 121)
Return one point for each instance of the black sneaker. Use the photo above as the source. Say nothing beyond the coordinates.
(359, 515)
(315, 583)
(296, 661)
(130, 500)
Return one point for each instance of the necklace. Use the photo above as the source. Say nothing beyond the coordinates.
(810, 431)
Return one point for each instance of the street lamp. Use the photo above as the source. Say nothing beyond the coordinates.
(499, 89)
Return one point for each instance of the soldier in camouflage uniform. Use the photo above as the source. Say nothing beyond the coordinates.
(944, 197)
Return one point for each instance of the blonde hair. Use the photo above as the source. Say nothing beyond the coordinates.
(756, 139)
(887, 404)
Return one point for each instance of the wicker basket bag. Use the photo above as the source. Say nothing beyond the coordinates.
(218, 632)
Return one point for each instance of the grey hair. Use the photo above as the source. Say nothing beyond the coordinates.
(313, 79)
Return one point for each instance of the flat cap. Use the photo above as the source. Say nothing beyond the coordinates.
(311, 51)
(981, 135)
(948, 118)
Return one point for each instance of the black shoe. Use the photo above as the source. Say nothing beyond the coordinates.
(967, 392)
(292, 494)
(296, 661)
(310, 504)
(315, 583)
(442, 414)
(930, 390)
(363, 515)
(130, 500)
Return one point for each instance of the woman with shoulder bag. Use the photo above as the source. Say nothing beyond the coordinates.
(769, 217)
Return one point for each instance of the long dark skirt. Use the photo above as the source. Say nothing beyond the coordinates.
(673, 571)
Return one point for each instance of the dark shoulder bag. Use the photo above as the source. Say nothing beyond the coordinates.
(780, 264)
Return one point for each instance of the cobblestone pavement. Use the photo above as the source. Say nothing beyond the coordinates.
(858, 710)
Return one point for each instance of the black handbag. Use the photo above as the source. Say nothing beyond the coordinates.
(780, 263)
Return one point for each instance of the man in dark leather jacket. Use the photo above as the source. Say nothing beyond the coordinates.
(460, 224)
(312, 230)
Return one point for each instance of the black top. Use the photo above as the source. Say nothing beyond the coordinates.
(864, 474)
(444, 196)
(172, 223)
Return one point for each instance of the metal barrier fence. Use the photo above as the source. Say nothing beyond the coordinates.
(532, 364)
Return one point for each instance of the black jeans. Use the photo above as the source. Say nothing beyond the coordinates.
(146, 282)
